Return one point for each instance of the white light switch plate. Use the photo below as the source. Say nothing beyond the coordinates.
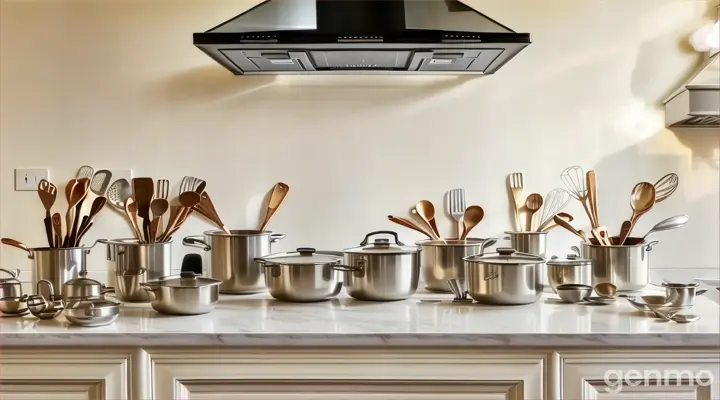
(27, 179)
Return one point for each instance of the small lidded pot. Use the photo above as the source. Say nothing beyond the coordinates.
(380, 270)
(504, 278)
(10, 287)
(305, 275)
(572, 270)
(83, 288)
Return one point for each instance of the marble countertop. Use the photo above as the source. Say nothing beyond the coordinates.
(258, 320)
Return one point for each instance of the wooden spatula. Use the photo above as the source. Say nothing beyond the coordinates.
(143, 191)
(48, 193)
(78, 193)
(280, 190)
(207, 209)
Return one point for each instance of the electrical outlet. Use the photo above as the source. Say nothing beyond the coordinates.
(28, 179)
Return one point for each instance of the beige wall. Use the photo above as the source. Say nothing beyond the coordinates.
(118, 84)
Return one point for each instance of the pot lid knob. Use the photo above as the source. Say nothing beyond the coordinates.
(306, 251)
(188, 274)
(384, 243)
(504, 251)
(572, 256)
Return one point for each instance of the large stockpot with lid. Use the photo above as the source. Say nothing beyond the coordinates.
(442, 260)
(231, 258)
(505, 278)
(305, 275)
(570, 270)
(381, 271)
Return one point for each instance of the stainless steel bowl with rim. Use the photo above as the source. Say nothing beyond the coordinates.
(10, 287)
(380, 270)
(442, 260)
(505, 278)
(573, 292)
(231, 258)
(570, 270)
(627, 266)
(303, 276)
(92, 312)
(184, 294)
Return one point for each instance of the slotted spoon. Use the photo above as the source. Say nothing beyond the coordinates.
(118, 193)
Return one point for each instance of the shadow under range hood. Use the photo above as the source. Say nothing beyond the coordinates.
(361, 37)
(696, 104)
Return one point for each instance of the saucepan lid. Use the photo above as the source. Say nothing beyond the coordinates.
(302, 256)
(382, 246)
(505, 256)
(187, 279)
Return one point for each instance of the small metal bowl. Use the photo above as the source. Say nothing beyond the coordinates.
(573, 293)
(92, 312)
(15, 306)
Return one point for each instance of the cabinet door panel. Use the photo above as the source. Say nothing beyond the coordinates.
(346, 375)
(640, 375)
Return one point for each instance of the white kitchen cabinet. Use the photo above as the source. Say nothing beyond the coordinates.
(641, 375)
(345, 374)
(31, 374)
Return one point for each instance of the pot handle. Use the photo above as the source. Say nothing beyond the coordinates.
(17, 244)
(197, 241)
(487, 243)
(700, 292)
(392, 233)
(87, 249)
(14, 273)
(576, 250)
(650, 245)
(276, 237)
(346, 268)
(150, 288)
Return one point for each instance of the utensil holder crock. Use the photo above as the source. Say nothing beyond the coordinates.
(627, 267)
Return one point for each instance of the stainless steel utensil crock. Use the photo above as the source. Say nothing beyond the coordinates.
(10, 287)
(381, 271)
(682, 294)
(441, 260)
(186, 294)
(570, 270)
(305, 275)
(534, 243)
(506, 277)
(231, 258)
(627, 267)
(136, 263)
(92, 312)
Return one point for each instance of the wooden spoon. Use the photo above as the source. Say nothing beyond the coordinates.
(131, 211)
(207, 209)
(563, 215)
(408, 224)
(143, 190)
(158, 207)
(642, 199)
(565, 224)
(57, 228)
(79, 191)
(426, 211)
(48, 193)
(276, 198)
(473, 215)
(533, 203)
(95, 208)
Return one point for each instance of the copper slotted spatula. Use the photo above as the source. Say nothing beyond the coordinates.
(276, 198)
(143, 190)
(642, 199)
(408, 224)
(473, 215)
(57, 228)
(48, 193)
(207, 209)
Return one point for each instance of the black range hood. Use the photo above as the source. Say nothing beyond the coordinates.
(361, 36)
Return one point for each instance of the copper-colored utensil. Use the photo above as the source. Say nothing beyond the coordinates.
(47, 193)
(602, 236)
(95, 208)
(79, 191)
(565, 224)
(426, 211)
(642, 199)
(533, 203)
(143, 189)
(552, 225)
(131, 211)
(473, 215)
(15, 243)
(207, 209)
(276, 198)
(409, 224)
(175, 213)
(666, 186)
(57, 228)
(69, 214)
(188, 200)
(591, 181)
(415, 214)
(159, 207)
(516, 183)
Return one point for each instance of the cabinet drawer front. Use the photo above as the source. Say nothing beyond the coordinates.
(347, 375)
(640, 375)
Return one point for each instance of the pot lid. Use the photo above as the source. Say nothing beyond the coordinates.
(382, 246)
(679, 285)
(304, 255)
(186, 279)
(505, 256)
(92, 303)
(13, 279)
(83, 280)
(571, 259)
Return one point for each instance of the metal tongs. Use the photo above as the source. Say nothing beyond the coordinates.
(457, 286)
